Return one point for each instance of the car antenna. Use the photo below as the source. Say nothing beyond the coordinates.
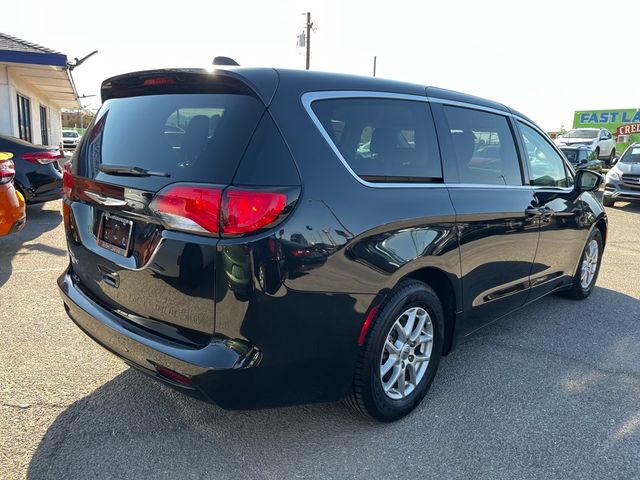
(225, 61)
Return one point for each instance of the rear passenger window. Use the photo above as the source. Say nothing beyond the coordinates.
(546, 167)
(484, 147)
(383, 140)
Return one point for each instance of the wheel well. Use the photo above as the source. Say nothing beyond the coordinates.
(441, 284)
(602, 226)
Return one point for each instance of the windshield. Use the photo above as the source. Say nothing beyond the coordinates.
(581, 133)
(632, 155)
(572, 155)
(70, 134)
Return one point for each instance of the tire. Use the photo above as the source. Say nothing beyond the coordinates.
(596, 152)
(612, 156)
(608, 202)
(580, 290)
(368, 395)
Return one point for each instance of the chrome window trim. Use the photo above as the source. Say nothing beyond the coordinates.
(310, 97)
(473, 106)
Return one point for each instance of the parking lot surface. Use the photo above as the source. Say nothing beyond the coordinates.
(552, 391)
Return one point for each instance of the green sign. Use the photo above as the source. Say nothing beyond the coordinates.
(609, 119)
(612, 120)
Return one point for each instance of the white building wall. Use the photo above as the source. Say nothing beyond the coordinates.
(6, 126)
(17, 86)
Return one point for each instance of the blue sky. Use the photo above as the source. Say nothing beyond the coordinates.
(544, 58)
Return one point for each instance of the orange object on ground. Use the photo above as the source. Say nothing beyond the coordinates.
(12, 209)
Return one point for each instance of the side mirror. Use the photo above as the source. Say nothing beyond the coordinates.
(584, 160)
(587, 181)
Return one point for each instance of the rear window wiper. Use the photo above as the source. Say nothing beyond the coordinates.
(132, 171)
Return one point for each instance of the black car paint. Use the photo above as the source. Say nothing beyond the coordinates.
(37, 182)
(290, 334)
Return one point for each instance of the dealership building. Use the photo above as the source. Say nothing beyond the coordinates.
(35, 85)
(624, 124)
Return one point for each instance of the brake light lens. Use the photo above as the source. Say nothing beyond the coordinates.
(248, 211)
(189, 208)
(42, 157)
(215, 210)
(7, 171)
(159, 81)
(67, 181)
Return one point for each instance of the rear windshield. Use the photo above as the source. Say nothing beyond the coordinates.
(190, 137)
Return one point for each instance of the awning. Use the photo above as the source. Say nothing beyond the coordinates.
(46, 73)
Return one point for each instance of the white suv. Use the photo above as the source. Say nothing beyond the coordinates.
(598, 139)
(70, 139)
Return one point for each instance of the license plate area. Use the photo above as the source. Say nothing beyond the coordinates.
(114, 233)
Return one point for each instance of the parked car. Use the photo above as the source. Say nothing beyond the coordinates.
(70, 139)
(599, 140)
(378, 260)
(38, 175)
(623, 179)
(12, 211)
(582, 157)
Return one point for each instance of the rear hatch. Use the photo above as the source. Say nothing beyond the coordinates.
(177, 132)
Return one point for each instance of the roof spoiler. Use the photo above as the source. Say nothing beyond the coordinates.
(167, 81)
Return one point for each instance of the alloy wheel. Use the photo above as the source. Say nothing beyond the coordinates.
(589, 264)
(406, 352)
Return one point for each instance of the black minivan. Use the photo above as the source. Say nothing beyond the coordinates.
(264, 237)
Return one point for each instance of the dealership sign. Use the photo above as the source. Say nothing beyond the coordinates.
(615, 116)
(629, 129)
(609, 119)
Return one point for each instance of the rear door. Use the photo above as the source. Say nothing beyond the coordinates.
(497, 234)
(121, 255)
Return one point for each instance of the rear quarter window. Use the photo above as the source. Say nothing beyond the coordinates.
(383, 140)
(191, 137)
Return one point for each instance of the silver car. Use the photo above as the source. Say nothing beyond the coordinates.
(623, 180)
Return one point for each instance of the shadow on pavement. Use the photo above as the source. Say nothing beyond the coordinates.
(39, 222)
(553, 388)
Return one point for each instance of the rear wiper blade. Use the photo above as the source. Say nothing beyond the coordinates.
(133, 171)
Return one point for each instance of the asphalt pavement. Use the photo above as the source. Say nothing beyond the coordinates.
(552, 391)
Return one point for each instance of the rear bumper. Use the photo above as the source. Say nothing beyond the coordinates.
(146, 351)
(219, 372)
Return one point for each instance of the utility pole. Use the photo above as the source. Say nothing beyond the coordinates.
(308, 42)
(375, 58)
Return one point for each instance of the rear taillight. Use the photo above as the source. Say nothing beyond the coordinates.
(247, 211)
(67, 181)
(190, 208)
(215, 210)
(42, 157)
(7, 171)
